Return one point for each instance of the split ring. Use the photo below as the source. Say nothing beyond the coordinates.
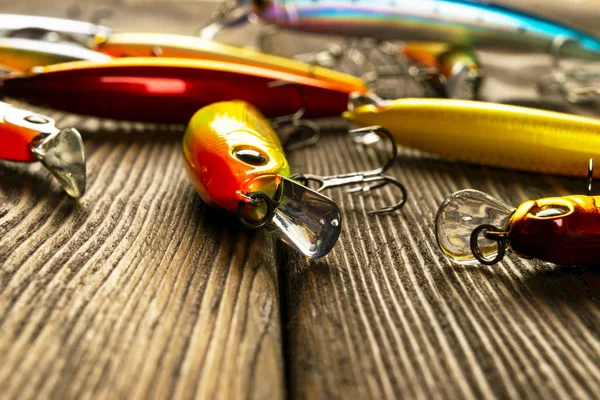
(254, 199)
(477, 251)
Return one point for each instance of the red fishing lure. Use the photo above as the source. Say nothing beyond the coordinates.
(165, 90)
(472, 227)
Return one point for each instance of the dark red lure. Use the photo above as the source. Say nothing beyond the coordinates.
(165, 90)
(562, 230)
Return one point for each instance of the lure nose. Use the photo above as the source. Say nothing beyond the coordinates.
(461, 214)
(299, 216)
(260, 194)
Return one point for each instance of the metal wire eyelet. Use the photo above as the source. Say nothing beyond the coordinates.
(491, 233)
(254, 199)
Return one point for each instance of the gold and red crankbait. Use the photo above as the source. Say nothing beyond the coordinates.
(472, 227)
(26, 136)
(235, 161)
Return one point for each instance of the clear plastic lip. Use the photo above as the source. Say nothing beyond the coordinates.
(306, 220)
(62, 153)
(457, 218)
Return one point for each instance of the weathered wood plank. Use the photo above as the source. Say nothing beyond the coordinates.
(141, 291)
(138, 290)
(385, 315)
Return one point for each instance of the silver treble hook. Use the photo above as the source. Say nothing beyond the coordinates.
(296, 121)
(367, 180)
(229, 14)
(562, 78)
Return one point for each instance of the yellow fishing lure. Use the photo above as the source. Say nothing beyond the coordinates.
(486, 133)
(180, 46)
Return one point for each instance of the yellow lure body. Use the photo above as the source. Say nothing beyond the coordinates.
(230, 149)
(21, 55)
(490, 134)
(181, 46)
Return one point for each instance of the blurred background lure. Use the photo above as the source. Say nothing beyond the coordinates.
(51, 29)
(23, 54)
(457, 22)
(460, 67)
(459, 25)
(142, 44)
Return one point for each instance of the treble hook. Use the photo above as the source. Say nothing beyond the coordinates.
(562, 76)
(295, 120)
(583, 95)
(373, 179)
(561, 79)
(228, 15)
(557, 45)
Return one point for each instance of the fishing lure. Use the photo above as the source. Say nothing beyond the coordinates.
(169, 90)
(235, 160)
(181, 46)
(490, 134)
(457, 22)
(23, 54)
(26, 136)
(459, 67)
(472, 227)
(47, 28)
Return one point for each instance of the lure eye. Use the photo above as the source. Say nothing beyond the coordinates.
(550, 211)
(36, 119)
(251, 157)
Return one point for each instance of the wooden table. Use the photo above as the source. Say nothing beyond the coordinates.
(140, 290)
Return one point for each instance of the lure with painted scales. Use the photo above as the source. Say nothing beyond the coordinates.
(26, 137)
(169, 90)
(490, 134)
(235, 161)
(457, 22)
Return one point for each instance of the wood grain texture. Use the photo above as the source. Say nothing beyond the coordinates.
(138, 290)
(386, 316)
